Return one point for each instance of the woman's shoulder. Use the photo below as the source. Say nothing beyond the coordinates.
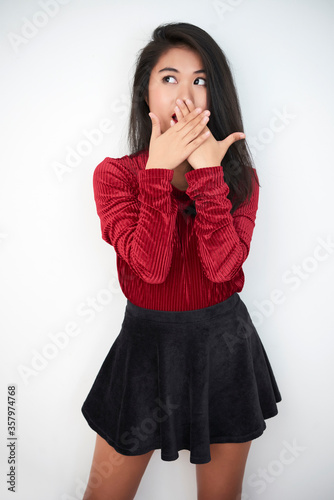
(122, 166)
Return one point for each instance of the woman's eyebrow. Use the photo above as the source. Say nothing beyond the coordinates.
(177, 71)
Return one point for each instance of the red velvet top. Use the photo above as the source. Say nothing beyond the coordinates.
(167, 258)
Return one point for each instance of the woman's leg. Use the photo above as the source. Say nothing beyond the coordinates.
(114, 476)
(221, 478)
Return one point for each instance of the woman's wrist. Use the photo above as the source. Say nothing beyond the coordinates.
(149, 166)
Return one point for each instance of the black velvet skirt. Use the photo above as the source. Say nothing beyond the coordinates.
(175, 380)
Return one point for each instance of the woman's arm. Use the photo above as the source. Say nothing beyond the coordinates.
(139, 224)
(223, 239)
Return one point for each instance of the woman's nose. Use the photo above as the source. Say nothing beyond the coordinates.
(184, 97)
(185, 92)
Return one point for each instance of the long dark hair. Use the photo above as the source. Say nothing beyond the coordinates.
(223, 102)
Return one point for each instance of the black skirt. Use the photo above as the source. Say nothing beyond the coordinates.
(175, 380)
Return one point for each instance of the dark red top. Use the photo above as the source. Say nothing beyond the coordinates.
(168, 258)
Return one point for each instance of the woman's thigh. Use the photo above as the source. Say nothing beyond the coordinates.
(221, 478)
(114, 476)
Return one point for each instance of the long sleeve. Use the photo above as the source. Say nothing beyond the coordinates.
(223, 239)
(137, 215)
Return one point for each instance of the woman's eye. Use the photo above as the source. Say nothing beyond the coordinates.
(170, 76)
(204, 80)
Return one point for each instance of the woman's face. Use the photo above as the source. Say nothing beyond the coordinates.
(185, 78)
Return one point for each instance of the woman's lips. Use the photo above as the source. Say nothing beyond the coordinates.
(174, 118)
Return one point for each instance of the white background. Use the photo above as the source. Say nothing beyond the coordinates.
(59, 82)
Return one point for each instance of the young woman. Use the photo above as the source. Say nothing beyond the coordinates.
(188, 369)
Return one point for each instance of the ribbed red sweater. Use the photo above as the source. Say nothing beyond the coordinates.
(168, 259)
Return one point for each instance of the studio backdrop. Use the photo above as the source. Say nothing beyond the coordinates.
(67, 68)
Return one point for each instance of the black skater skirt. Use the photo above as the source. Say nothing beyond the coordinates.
(175, 380)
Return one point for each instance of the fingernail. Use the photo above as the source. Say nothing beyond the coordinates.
(242, 136)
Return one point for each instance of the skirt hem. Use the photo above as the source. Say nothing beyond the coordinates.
(170, 458)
